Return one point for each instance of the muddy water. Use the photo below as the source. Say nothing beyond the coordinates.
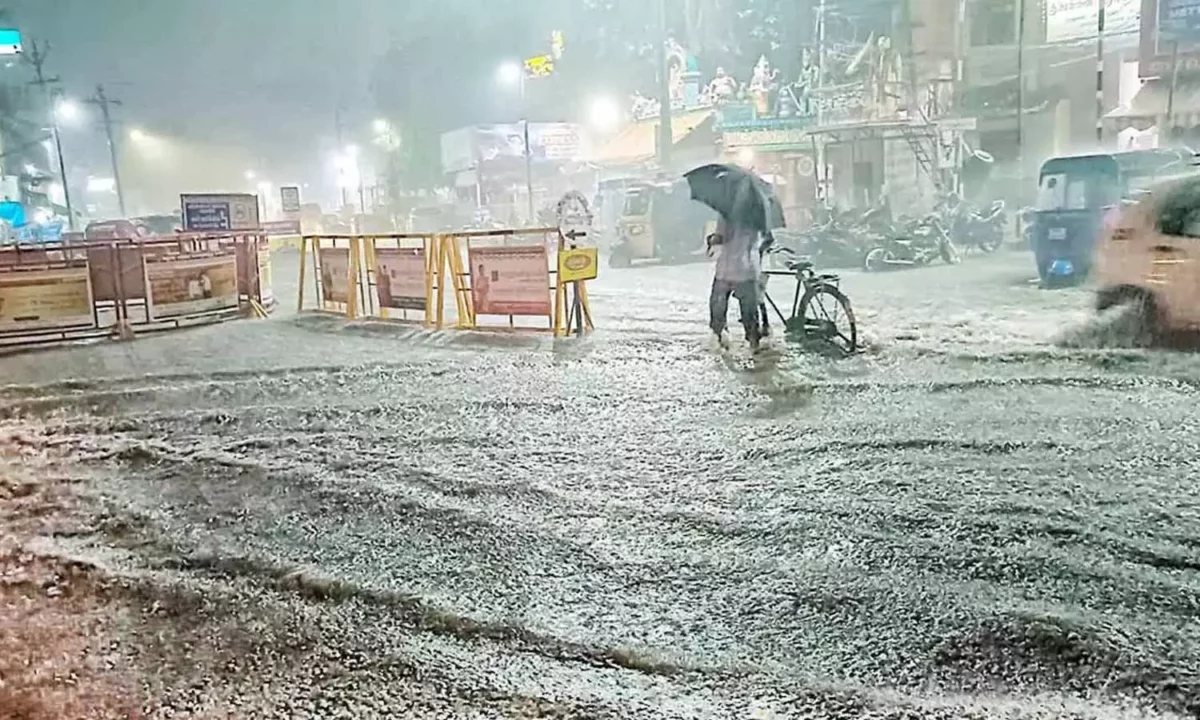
(966, 521)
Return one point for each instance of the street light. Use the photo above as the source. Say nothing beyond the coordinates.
(250, 175)
(380, 126)
(510, 74)
(605, 114)
(138, 135)
(67, 110)
(63, 109)
(349, 176)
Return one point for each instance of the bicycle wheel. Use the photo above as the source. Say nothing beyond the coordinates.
(827, 316)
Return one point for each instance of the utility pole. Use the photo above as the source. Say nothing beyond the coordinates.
(666, 136)
(105, 103)
(528, 150)
(1020, 98)
(1100, 74)
(37, 58)
(337, 126)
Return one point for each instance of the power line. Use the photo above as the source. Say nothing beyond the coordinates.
(105, 103)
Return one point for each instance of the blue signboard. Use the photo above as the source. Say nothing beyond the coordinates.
(215, 213)
(743, 116)
(206, 216)
(1179, 20)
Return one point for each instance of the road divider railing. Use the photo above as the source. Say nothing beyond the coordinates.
(61, 292)
(513, 280)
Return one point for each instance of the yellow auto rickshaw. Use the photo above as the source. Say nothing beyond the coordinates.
(659, 220)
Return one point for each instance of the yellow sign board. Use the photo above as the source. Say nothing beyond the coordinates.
(540, 66)
(41, 299)
(578, 264)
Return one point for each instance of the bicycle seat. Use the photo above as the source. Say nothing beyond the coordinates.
(799, 265)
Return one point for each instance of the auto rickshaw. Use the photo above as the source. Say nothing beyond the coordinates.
(660, 221)
(1077, 197)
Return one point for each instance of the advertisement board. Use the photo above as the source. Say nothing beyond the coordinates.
(1069, 20)
(1164, 22)
(289, 198)
(46, 299)
(229, 211)
(400, 278)
(465, 148)
(578, 264)
(281, 228)
(335, 274)
(184, 285)
(510, 280)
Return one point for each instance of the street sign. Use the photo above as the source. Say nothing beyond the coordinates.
(232, 211)
(1179, 21)
(289, 198)
(10, 41)
(281, 227)
(539, 66)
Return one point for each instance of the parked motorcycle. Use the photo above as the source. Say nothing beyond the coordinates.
(974, 228)
(841, 241)
(920, 243)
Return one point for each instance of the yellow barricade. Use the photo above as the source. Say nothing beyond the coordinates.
(521, 275)
(337, 266)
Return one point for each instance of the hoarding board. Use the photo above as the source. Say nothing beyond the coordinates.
(1072, 20)
(289, 198)
(1163, 23)
(46, 299)
(335, 274)
(578, 264)
(465, 148)
(281, 227)
(400, 278)
(187, 285)
(510, 280)
(213, 213)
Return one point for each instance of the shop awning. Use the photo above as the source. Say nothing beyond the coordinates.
(1149, 105)
(638, 142)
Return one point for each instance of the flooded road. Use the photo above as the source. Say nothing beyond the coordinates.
(973, 518)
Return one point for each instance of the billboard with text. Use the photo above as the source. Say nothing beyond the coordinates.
(1165, 23)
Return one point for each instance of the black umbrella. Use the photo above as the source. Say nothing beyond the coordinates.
(740, 196)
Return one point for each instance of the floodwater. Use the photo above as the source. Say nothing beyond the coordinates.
(988, 513)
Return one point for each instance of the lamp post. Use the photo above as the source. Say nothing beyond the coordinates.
(66, 110)
(513, 73)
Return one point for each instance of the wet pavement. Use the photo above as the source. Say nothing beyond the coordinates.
(988, 513)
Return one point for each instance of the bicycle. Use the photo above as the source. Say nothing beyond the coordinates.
(817, 305)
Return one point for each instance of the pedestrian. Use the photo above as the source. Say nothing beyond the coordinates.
(738, 273)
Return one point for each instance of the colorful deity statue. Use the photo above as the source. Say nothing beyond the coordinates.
(677, 68)
(806, 83)
(722, 88)
(762, 82)
(644, 107)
